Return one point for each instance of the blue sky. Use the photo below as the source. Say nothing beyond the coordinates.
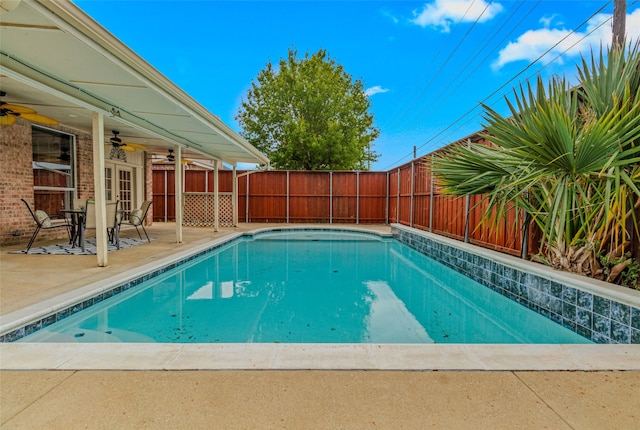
(426, 64)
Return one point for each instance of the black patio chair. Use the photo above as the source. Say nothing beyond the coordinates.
(43, 222)
(137, 217)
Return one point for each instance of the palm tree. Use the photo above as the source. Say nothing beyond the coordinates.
(568, 157)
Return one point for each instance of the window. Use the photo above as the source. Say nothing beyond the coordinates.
(53, 169)
(108, 183)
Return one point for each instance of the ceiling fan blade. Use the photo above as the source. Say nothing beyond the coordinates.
(17, 108)
(7, 120)
(136, 145)
(35, 117)
(127, 148)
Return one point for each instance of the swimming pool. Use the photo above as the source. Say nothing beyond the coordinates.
(308, 287)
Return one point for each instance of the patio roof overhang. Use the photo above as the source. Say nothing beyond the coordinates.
(57, 60)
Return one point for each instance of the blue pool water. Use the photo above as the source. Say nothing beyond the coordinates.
(309, 287)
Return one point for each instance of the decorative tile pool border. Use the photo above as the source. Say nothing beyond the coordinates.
(595, 317)
(25, 330)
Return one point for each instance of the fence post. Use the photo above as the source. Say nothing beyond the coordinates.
(358, 197)
(398, 200)
(386, 210)
(431, 196)
(246, 202)
(287, 197)
(234, 197)
(467, 200)
(524, 249)
(330, 197)
(467, 203)
(411, 196)
(166, 196)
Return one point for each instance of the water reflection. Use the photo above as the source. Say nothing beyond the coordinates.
(290, 290)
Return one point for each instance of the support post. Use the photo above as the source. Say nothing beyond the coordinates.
(287, 197)
(179, 193)
(99, 188)
(216, 198)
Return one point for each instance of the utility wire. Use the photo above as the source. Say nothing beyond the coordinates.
(448, 91)
(501, 87)
(424, 89)
(442, 47)
(542, 68)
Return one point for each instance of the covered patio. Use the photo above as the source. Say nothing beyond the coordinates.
(113, 110)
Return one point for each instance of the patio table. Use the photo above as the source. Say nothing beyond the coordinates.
(77, 226)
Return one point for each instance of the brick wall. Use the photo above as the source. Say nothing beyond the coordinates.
(84, 171)
(148, 185)
(16, 181)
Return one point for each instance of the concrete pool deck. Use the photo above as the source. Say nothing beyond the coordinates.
(359, 395)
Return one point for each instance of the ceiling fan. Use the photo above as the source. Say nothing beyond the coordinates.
(9, 114)
(116, 142)
(171, 158)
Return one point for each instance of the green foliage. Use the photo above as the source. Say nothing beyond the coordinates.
(629, 276)
(309, 115)
(569, 157)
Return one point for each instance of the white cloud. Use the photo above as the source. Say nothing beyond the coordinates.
(547, 20)
(375, 90)
(530, 45)
(392, 17)
(442, 13)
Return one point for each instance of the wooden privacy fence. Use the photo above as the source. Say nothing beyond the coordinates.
(313, 197)
(406, 195)
(415, 200)
(275, 196)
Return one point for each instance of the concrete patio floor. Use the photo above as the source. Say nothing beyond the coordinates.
(282, 398)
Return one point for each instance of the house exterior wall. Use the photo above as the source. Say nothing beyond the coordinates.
(148, 186)
(16, 180)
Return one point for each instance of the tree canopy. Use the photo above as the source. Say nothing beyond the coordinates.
(309, 114)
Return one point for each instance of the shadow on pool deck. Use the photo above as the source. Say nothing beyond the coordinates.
(276, 398)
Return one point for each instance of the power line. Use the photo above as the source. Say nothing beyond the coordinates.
(480, 63)
(503, 85)
(408, 108)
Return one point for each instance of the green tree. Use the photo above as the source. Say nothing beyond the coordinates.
(309, 114)
(570, 158)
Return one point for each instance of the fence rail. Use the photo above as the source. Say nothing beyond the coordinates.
(406, 195)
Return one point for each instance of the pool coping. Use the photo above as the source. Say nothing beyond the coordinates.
(135, 356)
(490, 357)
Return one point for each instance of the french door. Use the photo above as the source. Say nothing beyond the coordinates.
(120, 186)
(125, 188)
